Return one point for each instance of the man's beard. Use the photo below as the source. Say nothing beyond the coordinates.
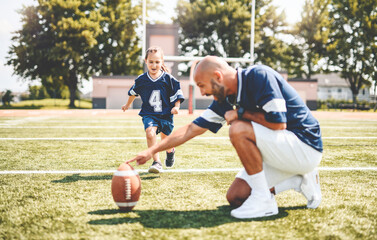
(218, 91)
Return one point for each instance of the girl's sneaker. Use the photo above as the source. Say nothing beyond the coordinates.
(155, 168)
(169, 161)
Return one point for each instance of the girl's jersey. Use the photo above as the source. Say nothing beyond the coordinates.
(158, 95)
(261, 89)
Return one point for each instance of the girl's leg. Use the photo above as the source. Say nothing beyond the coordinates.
(169, 161)
(163, 135)
(152, 140)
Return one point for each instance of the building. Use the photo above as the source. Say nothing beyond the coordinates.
(307, 89)
(110, 92)
(332, 86)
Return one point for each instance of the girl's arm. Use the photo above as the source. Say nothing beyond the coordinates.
(175, 109)
(129, 102)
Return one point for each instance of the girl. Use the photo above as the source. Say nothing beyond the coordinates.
(161, 95)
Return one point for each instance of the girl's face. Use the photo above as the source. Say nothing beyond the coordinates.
(154, 63)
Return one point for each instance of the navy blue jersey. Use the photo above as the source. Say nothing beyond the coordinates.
(262, 89)
(158, 95)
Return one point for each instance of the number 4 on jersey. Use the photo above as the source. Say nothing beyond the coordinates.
(155, 101)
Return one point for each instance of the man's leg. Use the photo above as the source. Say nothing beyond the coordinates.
(289, 163)
(307, 185)
(260, 203)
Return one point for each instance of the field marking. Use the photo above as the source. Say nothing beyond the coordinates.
(63, 127)
(195, 170)
(12, 122)
(130, 126)
(138, 138)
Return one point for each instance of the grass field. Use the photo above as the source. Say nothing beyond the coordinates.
(173, 205)
(48, 103)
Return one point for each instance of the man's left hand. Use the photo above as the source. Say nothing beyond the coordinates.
(231, 116)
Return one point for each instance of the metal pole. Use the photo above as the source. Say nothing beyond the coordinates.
(144, 47)
(252, 31)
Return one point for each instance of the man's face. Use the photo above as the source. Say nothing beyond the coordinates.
(209, 86)
(218, 91)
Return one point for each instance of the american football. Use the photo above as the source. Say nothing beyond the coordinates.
(126, 187)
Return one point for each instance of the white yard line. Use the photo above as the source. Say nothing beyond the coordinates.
(137, 138)
(195, 170)
(13, 122)
(2, 125)
(63, 127)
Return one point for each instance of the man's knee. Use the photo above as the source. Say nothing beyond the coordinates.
(240, 129)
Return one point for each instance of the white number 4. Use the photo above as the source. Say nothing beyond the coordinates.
(155, 101)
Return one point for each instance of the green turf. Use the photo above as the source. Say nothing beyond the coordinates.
(172, 205)
(48, 103)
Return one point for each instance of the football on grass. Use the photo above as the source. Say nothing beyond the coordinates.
(126, 187)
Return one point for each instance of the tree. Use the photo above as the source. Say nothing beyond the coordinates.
(222, 28)
(7, 97)
(63, 43)
(55, 41)
(352, 47)
(311, 35)
(118, 52)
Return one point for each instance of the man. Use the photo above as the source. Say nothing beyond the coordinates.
(273, 132)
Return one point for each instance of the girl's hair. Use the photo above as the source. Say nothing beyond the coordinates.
(154, 50)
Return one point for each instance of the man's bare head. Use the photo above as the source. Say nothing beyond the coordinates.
(210, 75)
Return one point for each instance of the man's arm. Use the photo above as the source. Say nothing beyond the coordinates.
(175, 139)
(257, 117)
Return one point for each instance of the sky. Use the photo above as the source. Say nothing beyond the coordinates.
(10, 21)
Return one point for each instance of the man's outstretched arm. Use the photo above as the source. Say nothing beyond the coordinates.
(175, 139)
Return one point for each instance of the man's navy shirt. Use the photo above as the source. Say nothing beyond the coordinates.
(262, 89)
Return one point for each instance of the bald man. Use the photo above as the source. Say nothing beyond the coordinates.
(272, 130)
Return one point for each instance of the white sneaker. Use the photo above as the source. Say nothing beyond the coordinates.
(155, 168)
(255, 207)
(311, 189)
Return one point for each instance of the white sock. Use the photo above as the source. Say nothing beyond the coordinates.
(258, 184)
(290, 183)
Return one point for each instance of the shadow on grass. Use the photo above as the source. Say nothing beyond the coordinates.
(180, 219)
(78, 177)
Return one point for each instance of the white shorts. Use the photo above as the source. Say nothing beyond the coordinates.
(284, 155)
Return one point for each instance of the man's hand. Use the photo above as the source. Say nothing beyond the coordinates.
(231, 116)
(175, 110)
(142, 157)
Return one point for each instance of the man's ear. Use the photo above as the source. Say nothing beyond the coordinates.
(218, 76)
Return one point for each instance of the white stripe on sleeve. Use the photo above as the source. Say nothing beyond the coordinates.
(173, 98)
(275, 105)
(213, 117)
(133, 92)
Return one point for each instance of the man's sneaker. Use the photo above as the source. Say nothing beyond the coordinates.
(255, 207)
(311, 189)
(155, 168)
(169, 161)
